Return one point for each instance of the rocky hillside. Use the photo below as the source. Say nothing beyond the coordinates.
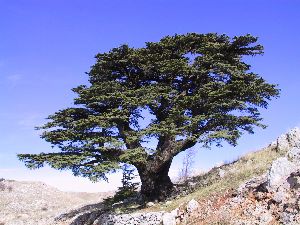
(270, 198)
(259, 188)
(262, 187)
(37, 203)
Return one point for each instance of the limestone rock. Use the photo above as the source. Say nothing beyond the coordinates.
(192, 206)
(287, 141)
(150, 204)
(280, 195)
(265, 218)
(153, 218)
(294, 137)
(168, 202)
(279, 172)
(221, 172)
(251, 184)
(176, 212)
(169, 219)
(294, 155)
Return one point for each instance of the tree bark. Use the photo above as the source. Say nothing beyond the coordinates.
(156, 184)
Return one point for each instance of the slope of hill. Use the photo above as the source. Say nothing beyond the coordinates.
(37, 203)
(261, 187)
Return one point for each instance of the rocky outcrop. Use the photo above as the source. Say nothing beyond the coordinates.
(279, 172)
(274, 197)
(153, 218)
(287, 141)
(99, 216)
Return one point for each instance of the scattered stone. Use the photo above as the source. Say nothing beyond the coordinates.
(150, 204)
(192, 206)
(192, 184)
(265, 218)
(168, 202)
(221, 172)
(268, 199)
(153, 218)
(169, 219)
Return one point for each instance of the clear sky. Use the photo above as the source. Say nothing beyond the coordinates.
(47, 46)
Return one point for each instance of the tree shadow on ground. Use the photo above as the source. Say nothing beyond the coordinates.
(85, 215)
(88, 214)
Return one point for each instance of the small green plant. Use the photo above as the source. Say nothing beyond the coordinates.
(129, 187)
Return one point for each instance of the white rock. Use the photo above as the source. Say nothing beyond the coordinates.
(279, 172)
(154, 218)
(168, 202)
(266, 218)
(192, 206)
(175, 212)
(280, 195)
(287, 141)
(251, 183)
(150, 204)
(221, 173)
(293, 137)
(192, 184)
(282, 143)
(169, 219)
(294, 155)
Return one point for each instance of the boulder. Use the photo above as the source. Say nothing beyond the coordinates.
(279, 172)
(221, 173)
(169, 219)
(192, 206)
(168, 202)
(150, 204)
(287, 141)
(293, 137)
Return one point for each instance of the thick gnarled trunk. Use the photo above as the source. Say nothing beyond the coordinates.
(156, 184)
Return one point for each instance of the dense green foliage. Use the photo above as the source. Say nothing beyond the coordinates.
(129, 186)
(196, 87)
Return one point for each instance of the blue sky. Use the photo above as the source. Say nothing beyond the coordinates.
(47, 46)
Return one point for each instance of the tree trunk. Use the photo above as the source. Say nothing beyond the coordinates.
(156, 184)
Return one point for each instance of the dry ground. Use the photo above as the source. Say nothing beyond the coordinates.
(35, 203)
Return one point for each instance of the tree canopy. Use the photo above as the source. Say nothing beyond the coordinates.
(196, 87)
